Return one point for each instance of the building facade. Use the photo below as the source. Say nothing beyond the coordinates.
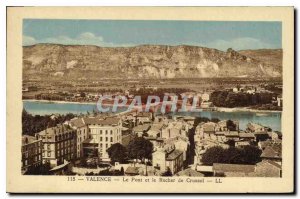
(31, 152)
(82, 133)
(103, 132)
(59, 144)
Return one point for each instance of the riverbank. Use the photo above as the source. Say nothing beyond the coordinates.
(57, 101)
(245, 109)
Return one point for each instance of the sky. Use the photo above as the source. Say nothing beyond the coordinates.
(123, 33)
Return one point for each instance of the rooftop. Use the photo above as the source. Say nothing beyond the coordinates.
(107, 121)
(217, 167)
(27, 139)
(231, 134)
(271, 152)
(173, 155)
(209, 126)
(190, 172)
(141, 128)
(78, 122)
(56, 130)
(246, 135)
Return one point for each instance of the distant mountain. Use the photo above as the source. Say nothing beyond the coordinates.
(148, 61)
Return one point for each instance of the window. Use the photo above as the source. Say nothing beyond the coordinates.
(43, 154)
(106, 145)
(105, 132)
(100, 139)
(100, 132)
(111, 139)
(48, 146)
(106, 139)
(111, 132)
(49, 154)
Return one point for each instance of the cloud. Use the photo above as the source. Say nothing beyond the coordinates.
(242, 43)
(27, 40)
(86, 38)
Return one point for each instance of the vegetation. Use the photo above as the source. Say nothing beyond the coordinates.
(117, 153)
(43, 169)
(231, 99)
(160, 92)
(191, 155)
(32, 124)
(140, 148)
(167, 173)
(246, 155)
(107, 172)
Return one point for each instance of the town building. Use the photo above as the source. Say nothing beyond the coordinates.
(32, 148)
(103, 132)
(175, 129)
(255, 128)
(189, 173)
(144, 117)
(168, 158)
(268, 168)
(232, 170)
(272, 153)
(82, 133)
(59, 144)
(141, 130)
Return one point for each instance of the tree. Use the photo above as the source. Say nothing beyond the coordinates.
(122, 171)
(117, 153)
(232, 155)
(213, 155)
(140, 148)
(191, 134)
(231, 143)
(32, 124)
(167, 173)
(251, 154)
(231, 125)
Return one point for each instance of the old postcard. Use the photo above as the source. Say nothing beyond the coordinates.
(150, 100)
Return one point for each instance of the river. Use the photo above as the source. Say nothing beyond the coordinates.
(270, 119)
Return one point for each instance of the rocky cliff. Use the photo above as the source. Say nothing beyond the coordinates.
(147, 61)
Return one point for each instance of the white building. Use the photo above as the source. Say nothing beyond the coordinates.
(103, 132)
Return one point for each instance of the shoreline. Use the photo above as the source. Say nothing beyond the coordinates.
(218, 109)
(57, 101)
(245, 109)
